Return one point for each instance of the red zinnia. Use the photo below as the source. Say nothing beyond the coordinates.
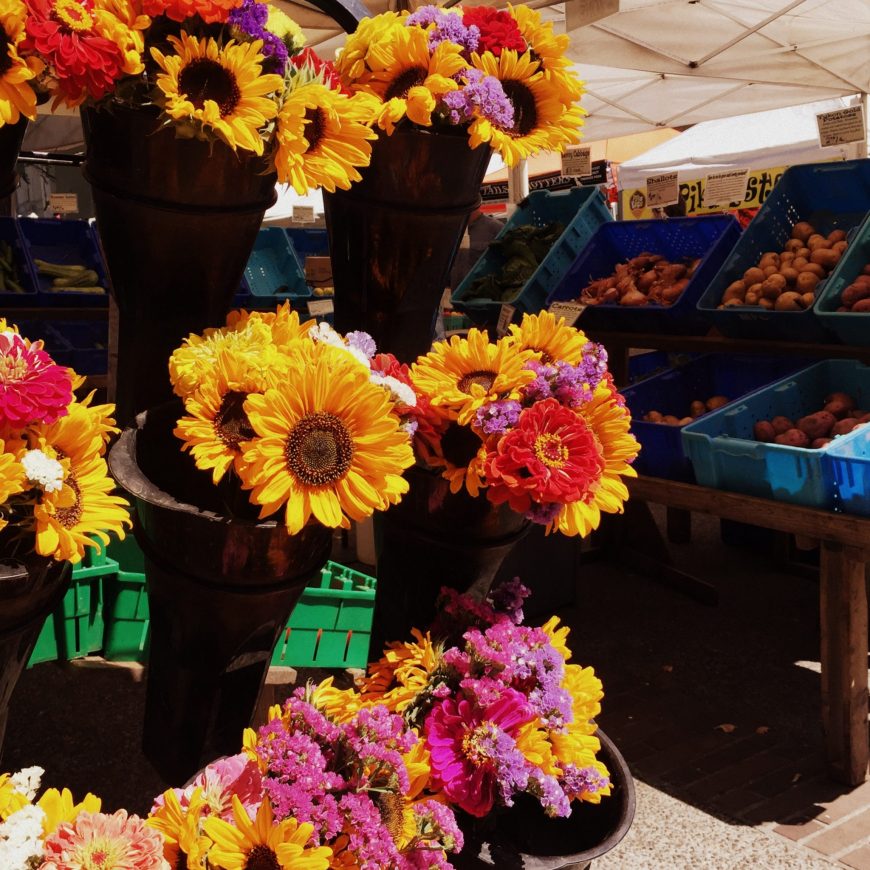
(210, 11)
(551, 456)
(498, 29)
(63, 33)
(324, 68)
(429, 424)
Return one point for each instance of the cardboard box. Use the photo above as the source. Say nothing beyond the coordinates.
(318, 270)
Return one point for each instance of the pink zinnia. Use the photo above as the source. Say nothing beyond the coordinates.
(33, 388)
(474, 756)
(237, 775)
(97, 841)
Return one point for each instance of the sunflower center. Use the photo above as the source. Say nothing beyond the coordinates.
(550, 450)
(262, 858)
(13, 368)
(319, 450)
(525, 107)
(5, 58)
(477, 743)
(483, 379)
(69, 517)
(203, 79)
(391, 808)
(231, 423)
(459, 445)
(406, 80)
(315, 127)
(73, 15)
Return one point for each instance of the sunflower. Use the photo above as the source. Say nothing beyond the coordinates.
(184, 846)
(464, 374)
(11, 473)
(284, 323)
(548, 338)
(263, 843)
(401, 673)
(17, 96)
(550, 49)
(410, 79)
(338, 705)
(333, 448)
(221, 88)
(321, 138)
(59, 807)
(610, 423)
(369, 44)
(462, 456)
(541, 120)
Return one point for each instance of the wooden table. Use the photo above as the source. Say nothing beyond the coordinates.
(845, 551)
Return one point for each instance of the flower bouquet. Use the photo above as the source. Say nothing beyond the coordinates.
(55, 492)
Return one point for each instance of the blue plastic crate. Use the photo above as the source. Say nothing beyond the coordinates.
(88, 342)
(64, 242)
(274, 270)
(828, 195)
(673, 392)
(581, 210)
(710, 238)
(849, 327)
(850, 461)
(724, 456)
(28, 299)
(309, 243)
(55, 344)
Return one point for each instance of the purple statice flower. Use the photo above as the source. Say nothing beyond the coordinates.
(481, 96)
(448, 27)
(368, 838)
(544, 514)
(484, 691)
(250, 19)
(379, 737)
(362, 341)
(541, 387)
(549, 791)
(582, 780)
(497, 417)
(438, 817)
(508, 598)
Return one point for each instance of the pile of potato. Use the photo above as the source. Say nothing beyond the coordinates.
(648, 279)
(856, 297)
(696, 409)
(838, 417)
(787, 281)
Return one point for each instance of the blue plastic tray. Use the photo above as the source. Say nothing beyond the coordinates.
(273, 269)
(828, 195)
(309, 243)
(724, 456)
(55, 344)
(89, 343)
(28, 299)
(65, 242)
(849, 327)
(672, 392)
(710, 238)
(580, 209)
(850, 460)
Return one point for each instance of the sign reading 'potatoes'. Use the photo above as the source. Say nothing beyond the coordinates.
(842, 126)
(663, 189)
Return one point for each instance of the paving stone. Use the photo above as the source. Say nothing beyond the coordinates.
(839, 837)
(799, 831)
(859, 859)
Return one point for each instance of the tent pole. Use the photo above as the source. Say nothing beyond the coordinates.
(518, 182)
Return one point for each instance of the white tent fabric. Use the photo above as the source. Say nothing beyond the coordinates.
(783, 137)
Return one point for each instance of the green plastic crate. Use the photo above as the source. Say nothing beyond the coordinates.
(126, 605)
(331, 625)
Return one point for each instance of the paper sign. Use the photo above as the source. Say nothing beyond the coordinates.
(320, 307)
(569, 310)
(63, 203)
(723, 188)
(841, 127)
(303, 214)
(318, 270)
(577, 162)
(662, 189)
(506, 315)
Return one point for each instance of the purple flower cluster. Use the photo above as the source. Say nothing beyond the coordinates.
(496, 418)
(508, 598)
(362, 341)
(551, 793)
(448, 27)
(571, 385)
(479, 95)
(250, 18)
(582, 780)
(544, 514)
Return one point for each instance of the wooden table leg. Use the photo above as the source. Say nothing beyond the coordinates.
(679, 524)
(843, 614)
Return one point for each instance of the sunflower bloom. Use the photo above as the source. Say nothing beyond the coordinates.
(322, 139)
(548, 338)
(333, 449)
(464, 374)
(17, 96)
(401, 673)
(283, 846)
(59, 808)
(368, 47)
(12, 479)
(221, 88)
(541, 120)
(183, 843)
(338, 705)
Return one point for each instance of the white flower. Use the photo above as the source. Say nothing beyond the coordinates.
(401, 392)
(21, 844)
(27, 780)
(325, 334)
(42, 470)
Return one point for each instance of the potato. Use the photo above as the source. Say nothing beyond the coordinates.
(799, 263)
(789, 274)
(771, 258)
(854, 293)
(697, 408)
(789, 301)
(633, 298)
(867, 269)
(793, 438)
(773, 286)
(816, 269)
(825, 258)
(808, 299)
(735, 290)
(837, 236)
(862, 306)
(672, 294)
(750, 298)
(685, 421)
(803, 252)
(857, 413)
(733, 303)
(764, 431)
(839, 247)
(845, 398)
(670, 420)
(770, 270)
(862, 280)
(781, 424)
(865, 419)
(816, 425)
(819, 443)
(653, 417)
(802, 230)
(785, 257)
(817, 241)
(716, 402)
(754, 276)
(806, 282)
(793, 245)
(767, 304)
(844, 427)
(647, 279)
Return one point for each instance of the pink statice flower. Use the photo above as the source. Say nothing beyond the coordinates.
(33, 388)
(474, 755)
(98, 841)
(236, 775)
